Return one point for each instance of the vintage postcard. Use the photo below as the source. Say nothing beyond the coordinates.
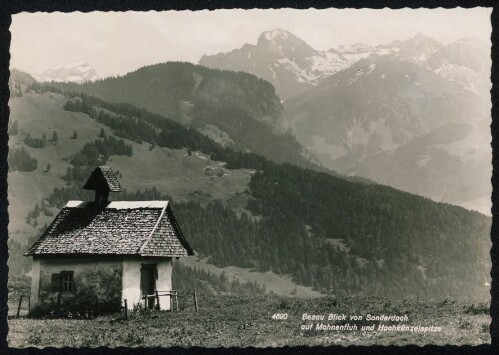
(236, 178)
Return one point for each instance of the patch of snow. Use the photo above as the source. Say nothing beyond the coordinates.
(272, 71)
(275, 34)
(423, 161)
(420, 58)
(371, 67)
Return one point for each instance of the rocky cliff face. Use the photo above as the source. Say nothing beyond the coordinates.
(221, 93)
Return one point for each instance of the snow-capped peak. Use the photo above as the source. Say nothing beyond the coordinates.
(283, 58)
(76, 71)
(276, 34)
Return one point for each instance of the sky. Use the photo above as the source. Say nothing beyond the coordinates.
(115, 43)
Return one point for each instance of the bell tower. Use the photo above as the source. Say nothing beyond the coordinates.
(102, 181)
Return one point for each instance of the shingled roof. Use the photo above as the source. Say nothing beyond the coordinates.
(103, 177)
(145, 228)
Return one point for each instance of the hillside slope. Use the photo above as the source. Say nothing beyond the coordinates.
(236, 109)
(183, 176)
(242, 210)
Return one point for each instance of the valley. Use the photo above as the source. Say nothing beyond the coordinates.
(388, 113)
(284, 216)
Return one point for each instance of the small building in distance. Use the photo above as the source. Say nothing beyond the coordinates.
(106, 252)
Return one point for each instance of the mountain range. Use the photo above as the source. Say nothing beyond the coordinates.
(413, 114)
(293, 66)
(288, 62)
(242, 212)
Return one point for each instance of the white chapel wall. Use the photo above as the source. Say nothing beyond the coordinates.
(131, 280)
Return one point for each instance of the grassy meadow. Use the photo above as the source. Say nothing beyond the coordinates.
(242, 321)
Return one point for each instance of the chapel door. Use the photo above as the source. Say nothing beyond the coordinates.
(148, 274)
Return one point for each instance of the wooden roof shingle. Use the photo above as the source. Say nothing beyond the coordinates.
(145, 228)
(103, 178)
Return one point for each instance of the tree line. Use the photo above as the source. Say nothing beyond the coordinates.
(325, 232)
(384, 262)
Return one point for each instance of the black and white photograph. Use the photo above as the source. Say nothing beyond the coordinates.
(250, 178)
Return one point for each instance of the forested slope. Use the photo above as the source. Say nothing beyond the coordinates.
(238, 106)
(335, 235)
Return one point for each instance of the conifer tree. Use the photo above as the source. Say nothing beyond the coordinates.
(36, 211)
(21, 160)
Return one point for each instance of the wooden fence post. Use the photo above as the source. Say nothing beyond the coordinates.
(195, 301)
(29, 304)
(126, 310)
(157, 300)
(19, 307)
(59, 301)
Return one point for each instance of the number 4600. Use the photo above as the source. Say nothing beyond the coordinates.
(280, 316)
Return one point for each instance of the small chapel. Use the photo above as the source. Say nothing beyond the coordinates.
(105, 250)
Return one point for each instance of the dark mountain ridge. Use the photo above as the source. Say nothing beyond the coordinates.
(237, 107)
